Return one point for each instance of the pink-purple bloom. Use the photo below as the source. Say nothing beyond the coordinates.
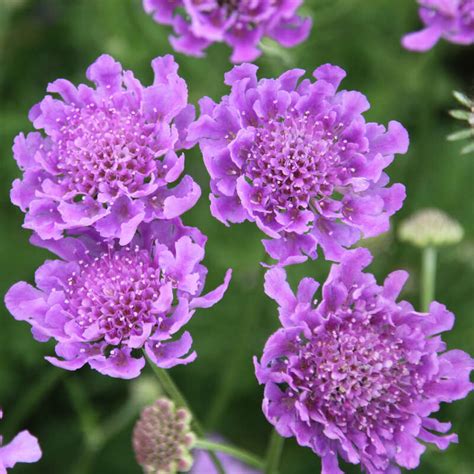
(23, 448)
(107, 155)
(452, 20)
(239, 23)
(359, 374)
(103, 303)
(299, 160)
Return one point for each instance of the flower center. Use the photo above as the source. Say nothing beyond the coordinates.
(294, 160)
(356, 375)
(104, 150)
(113, 294)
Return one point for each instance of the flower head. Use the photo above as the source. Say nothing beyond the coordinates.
(359, 374)
(239, 23)
(162, 438)
(23, 448)
(107, 154)
(452, 20)
(430, 228)
(102, 302)
(299, 159)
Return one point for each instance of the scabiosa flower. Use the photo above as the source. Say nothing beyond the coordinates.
(162, 438)
(452, 20)
(359, 374)
(239, 23)
(23, 448)
(107, 155)
(103, 302)
(299, 159)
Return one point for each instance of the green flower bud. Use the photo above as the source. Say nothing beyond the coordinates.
(430, 228)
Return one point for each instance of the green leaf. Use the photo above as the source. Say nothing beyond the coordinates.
(468, 149)
(463, 99)
(460, 114)
(461, 135)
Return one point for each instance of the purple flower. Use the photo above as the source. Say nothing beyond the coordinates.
(358, 374)
(23, 448)
(239, 23)
(449, 19)
(299, 159)
(103, 302)
(107, 154)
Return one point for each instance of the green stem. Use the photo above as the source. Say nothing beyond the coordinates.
(275, 449)
(428, 277)
(244, 456)
(175, 394)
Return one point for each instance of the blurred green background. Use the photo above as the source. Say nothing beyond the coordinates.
(41, 40)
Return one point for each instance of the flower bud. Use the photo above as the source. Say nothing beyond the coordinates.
(430, 228)
(162, 438)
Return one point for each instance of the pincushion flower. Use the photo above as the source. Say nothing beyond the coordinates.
(23, 448)
(107, 155)
(104, 302)
(359, 374)
(452, 20)
(239, 23)
(299, 159)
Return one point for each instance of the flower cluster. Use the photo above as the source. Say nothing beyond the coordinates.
(239, 23)
(162, 438)
(298, 158)
(107, 155)
(96, 192)
(449, 19)
(359, 374)
(23, 448)
(103, 301)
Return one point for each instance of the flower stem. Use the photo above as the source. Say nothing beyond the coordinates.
(175, 394)
(428, 277)
(244, 456)
(275, 449)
